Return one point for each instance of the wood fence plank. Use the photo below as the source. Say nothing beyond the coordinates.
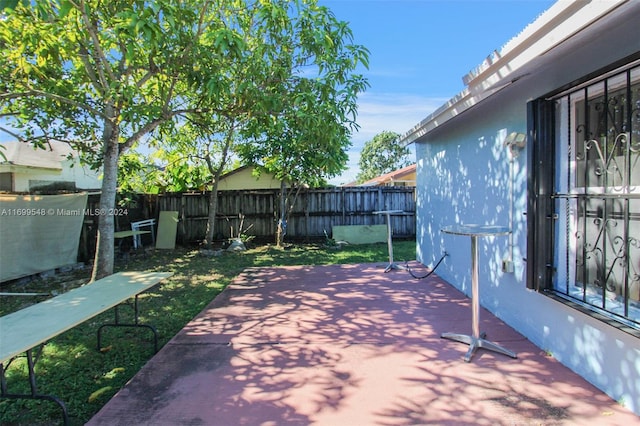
(315, 211)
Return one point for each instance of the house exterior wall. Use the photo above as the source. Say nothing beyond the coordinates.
(27, 169)
(83, 176)
(465, 175)
(407, 180)
(244, 179)
(24, 178)
(405, 176)
(23, 175)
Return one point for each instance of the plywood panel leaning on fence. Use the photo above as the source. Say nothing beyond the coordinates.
(167, 230)
(360, 234)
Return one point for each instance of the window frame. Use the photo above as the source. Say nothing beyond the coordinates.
(543, 135)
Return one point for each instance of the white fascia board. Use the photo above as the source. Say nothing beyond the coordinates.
(560, 22)
(453, 107)
(22, 168)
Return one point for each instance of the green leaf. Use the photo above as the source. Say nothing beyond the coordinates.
(65, 8)
(12, 4)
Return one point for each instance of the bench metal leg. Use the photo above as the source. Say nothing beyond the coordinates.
(34, 389)
(136, 323)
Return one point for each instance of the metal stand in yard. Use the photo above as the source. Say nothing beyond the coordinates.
(388, 213)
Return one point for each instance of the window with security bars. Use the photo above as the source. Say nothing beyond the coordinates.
(584, 202)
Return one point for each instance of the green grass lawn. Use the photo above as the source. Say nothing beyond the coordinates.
(72, 368)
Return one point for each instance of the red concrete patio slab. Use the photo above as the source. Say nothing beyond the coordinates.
(350, 345)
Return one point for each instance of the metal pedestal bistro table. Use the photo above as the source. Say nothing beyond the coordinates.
(477, 339)
(388, 213)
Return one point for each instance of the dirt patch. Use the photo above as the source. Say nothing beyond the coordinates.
(40, 287)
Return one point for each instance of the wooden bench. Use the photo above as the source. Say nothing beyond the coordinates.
(32, 327)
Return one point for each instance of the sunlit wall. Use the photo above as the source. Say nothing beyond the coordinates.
(467, 175)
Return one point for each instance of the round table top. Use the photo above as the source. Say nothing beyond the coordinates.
(476, 230)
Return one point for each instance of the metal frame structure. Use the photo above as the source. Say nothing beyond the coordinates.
(584, 202)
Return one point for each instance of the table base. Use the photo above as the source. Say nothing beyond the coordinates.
(391, 266)
(475, 343)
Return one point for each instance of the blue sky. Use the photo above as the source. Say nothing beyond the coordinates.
(419, 52)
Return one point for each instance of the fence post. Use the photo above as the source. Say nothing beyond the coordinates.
(319, 211)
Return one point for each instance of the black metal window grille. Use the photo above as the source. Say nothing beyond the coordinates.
(584, 207)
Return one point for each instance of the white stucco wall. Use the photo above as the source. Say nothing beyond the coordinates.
(81, 176)
(31, 168)
(464, 177)
(245, 179)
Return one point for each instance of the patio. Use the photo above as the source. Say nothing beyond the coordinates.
(350, 345)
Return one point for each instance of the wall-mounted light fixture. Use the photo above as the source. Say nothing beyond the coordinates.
(516, 143)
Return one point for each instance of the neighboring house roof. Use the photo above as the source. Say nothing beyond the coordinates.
(562, 38)
(406, 174)
(25, 155)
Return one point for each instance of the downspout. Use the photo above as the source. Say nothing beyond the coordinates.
(515, 142)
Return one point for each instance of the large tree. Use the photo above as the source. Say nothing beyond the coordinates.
(382, 154)
(288, 100)
(303, 137)
(206, 146)
(306, 144)
(104, 75)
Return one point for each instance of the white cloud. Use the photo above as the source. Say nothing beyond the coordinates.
(378, 112)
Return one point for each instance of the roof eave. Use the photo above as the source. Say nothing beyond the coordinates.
(560, 22)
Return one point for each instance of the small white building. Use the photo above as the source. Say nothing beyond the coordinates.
(57, 167)
(545, 139)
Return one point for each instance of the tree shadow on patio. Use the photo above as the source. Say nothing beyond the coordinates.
(337, 345)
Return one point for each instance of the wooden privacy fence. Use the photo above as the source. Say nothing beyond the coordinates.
(314, 212)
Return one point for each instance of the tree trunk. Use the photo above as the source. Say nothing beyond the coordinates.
(216, 172)
(282, 222)
(103, 262)
(213, 211)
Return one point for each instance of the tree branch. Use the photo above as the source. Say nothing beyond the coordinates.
(62, 99)
(100, 57)
(15, 135)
